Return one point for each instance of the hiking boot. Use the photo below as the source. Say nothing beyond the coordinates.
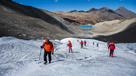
(45, 62)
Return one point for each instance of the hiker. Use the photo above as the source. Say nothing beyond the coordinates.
(97, 44)
(108, 43)
(48, 47)
(85, 43)
(112, 48)
(70, 46)
(81, 44)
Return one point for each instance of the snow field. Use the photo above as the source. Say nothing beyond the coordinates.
(19, 58)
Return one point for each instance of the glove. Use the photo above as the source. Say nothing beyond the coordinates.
(52, 53)
(41, 46)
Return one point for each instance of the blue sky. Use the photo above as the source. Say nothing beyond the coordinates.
(68, 5)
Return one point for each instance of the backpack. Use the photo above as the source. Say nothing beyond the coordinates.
(48, 46)
(112, 47)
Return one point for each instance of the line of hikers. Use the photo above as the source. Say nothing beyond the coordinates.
(49, 49)
(83, 43)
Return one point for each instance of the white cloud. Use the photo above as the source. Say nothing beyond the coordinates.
(56, 0)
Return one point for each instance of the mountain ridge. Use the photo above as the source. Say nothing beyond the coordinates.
(94, 15)
(122, 11)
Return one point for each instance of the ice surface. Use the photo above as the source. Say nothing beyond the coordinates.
(19, 58)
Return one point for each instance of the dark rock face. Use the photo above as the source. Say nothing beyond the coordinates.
(125, 12)
(33, 12)
(30, 23)
(73, 11)
(93, 9)
(106, 14)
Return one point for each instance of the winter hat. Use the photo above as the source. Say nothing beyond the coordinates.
(47, 40)
(112, 43)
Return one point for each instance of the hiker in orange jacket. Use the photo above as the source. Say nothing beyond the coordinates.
(70, 46)
(48, 47)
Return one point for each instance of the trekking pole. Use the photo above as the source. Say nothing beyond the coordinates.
(108, 52)
(66, 48)
(114, 53)
(40, 56)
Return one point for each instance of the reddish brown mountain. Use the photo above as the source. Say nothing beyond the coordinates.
(93, 15)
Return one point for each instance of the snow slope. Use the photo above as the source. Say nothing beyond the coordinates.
(19, 58)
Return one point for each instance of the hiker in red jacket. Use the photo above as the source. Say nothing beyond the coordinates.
(112, 48)
(81, 44)
(70, 46)
(85, 43)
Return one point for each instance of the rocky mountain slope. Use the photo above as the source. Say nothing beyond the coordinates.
(125, 12)
(118, 31)
(31, 23)
(27, 22)
(93, 15)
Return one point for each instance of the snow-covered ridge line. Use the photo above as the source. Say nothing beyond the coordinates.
(18, 58)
